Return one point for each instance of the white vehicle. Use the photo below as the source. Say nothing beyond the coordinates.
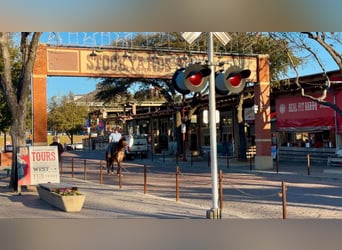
(137, 145)
(75, 146)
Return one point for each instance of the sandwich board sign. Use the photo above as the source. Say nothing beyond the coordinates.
(37, 164)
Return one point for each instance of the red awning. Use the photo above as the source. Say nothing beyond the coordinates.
(296, 113)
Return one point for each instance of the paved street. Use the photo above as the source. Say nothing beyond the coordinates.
(247, 193)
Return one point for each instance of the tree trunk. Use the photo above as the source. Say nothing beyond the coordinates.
(178, 135)
(241, 128)
(242, 137)
(17, 90)
(179, 121)
(18, 135)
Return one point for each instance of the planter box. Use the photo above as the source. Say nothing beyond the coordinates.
(67, 203)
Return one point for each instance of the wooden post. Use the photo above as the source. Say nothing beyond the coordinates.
(72, 167)
(85, 169)
(120, 178)
(221, 191)
(177, 183)
(284, 199)
(61, 166)
(145, 179)
(308, 158)
(101, 176)
(209, 160)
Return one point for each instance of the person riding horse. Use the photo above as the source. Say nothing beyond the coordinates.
(114, 138)
(116, 155)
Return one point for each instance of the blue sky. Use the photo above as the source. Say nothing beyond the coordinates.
(61, 86)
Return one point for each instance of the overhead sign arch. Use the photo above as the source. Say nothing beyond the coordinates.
(113, 62)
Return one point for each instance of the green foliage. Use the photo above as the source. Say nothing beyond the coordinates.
(16, 71)
(16, 65)
(67, 115)
(265, 43)
(5, 115)
(111, 87)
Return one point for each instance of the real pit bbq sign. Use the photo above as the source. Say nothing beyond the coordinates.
(37, 164)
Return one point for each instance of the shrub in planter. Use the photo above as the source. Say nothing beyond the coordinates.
(66, 198)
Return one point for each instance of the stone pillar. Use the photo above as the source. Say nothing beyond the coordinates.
(263, 159)
(39, 102)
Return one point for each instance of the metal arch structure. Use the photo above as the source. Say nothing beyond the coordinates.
(77, 61)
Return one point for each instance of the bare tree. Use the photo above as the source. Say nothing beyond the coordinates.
(331, 43)
(17, 89)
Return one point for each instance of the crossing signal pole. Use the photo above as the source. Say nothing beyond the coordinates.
(214, 212)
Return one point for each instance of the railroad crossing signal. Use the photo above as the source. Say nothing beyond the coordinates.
(191, 79)
(232, 81)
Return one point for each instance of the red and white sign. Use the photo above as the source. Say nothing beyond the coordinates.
(38, 164)
(297, 112)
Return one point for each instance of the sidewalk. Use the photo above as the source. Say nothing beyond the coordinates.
(110, 201)
(294, 169)
(102, 201)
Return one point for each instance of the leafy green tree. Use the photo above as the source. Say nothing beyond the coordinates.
(5, 112)
(67, 115)
(5, 117)
(16, 71)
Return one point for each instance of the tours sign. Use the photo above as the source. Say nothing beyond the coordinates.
(37, 164)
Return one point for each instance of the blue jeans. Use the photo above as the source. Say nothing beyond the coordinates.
(110, 147)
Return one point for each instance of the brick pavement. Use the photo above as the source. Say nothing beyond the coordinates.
(109, 200)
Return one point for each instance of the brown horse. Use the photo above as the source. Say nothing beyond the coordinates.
(117, 155)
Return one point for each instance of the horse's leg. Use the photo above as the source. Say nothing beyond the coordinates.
(106, 157)
(107, 161)
(119, 168)
(108, 165)
(113, 162)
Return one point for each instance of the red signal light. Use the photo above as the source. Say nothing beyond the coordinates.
(232, 81)
(235, 79)
(196, 78)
